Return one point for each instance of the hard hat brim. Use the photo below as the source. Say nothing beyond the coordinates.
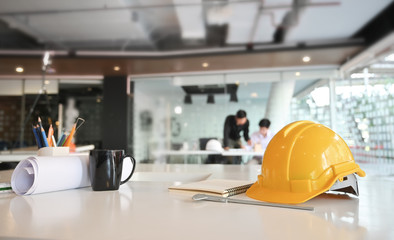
(271, 195)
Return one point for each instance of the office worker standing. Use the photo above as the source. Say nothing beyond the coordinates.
(233, 126)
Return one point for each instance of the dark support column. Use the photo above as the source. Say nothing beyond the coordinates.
(115, 113)
(130, 130)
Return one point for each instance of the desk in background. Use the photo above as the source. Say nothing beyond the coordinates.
(19, 155)
(198, 153)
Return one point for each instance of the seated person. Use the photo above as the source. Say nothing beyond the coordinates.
(260, 139)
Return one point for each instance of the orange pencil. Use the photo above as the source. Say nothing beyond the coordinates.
(70, 137)
(50, 134)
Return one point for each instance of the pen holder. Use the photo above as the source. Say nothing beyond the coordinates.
(53, 151)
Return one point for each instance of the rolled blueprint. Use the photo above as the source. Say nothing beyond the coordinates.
(42, 174)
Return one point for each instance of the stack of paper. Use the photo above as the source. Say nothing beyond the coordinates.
(47, 174)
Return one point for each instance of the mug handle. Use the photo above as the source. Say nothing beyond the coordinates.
(132, 171)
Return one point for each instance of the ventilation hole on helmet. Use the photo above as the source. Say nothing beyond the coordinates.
(344, 178)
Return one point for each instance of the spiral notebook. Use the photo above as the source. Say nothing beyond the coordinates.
(222, 187)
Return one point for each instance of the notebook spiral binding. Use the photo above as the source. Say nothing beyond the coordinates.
(238, 190)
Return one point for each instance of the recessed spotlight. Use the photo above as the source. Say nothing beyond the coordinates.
(116, 68)
(178, 110)
(297, 74)
(254, 95)
(19, 69)
(306, 59)
(362, 75)
(205, 64)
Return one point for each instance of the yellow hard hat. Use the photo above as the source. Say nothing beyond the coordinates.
(302, 160)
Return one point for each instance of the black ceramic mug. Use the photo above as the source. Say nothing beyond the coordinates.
(106, 169)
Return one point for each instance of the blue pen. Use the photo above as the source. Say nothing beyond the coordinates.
(59, 143)
(36, 136)
(64, 140)
(44, 136)
(38, 131)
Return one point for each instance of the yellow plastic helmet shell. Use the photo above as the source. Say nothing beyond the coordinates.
(303, 160)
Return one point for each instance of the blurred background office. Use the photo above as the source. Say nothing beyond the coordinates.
(150, 76)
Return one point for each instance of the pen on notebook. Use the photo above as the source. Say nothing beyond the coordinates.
(5, 187)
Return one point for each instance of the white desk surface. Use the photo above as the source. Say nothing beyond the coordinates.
(143, 208)
(184, 152)
(241, 152)
(237, 152)
(17, 156)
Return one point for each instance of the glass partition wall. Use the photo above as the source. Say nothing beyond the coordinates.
(178, 112)
(363, 113)
(182, 112)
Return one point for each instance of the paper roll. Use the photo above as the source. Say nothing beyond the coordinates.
(47, 174)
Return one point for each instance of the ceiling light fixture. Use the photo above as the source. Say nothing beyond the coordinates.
(297, 74)
(362, 75)
(210, 99)
(188, 99)
(178, 110)
(306, 59)
(254, 95)
(205, 64)
(390, 58)
(19, 69)
(46, 59)
(382, 65)
(116, 68)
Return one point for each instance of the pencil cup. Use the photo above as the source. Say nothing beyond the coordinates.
(53, 151)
